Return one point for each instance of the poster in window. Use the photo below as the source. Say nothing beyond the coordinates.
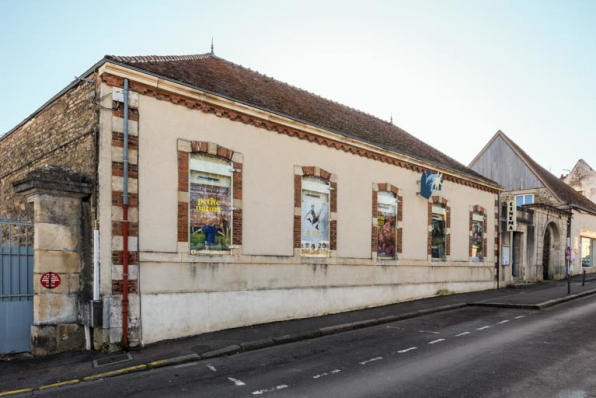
(386, 218)
(478, 237)
(315, 224)
(210, 212)
(438, 233)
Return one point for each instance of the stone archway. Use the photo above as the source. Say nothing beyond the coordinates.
(550, 251)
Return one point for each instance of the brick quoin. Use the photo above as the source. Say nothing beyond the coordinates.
(133, 257)
(191, 103)
(117, 286)
(118, 141)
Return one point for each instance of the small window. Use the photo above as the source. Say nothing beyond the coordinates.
(386, 221)
(439, 233)
(587, 246)
(521, 200)
(210, 213)
(477, 236)
(315, 217)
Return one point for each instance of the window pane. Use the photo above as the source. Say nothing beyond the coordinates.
(519, 200)
(315, 217)
(587, 260)
(478, 237)
(210, 207)
(529, 199)
(386, 219)
(438, 233)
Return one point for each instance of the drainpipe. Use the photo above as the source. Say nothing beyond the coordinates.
(125, 224)
(499, 239)
(568, 250)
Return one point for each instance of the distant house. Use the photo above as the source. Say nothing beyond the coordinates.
(544, 204)
(583, 179)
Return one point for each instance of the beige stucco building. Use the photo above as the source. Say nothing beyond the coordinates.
(252, 201)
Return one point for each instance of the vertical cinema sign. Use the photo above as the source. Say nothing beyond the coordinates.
(511, 216)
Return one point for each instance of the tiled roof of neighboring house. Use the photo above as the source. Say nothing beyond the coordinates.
(557, 186)
(216, 75)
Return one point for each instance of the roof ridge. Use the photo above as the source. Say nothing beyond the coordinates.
(139, 59)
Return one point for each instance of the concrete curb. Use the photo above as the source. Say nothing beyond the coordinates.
(538, 306)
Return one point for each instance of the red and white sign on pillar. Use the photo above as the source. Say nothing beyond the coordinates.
(50, 280)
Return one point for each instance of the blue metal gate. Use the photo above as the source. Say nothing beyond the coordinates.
(16, 285)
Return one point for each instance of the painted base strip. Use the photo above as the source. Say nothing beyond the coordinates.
(116, 372)
(63, 383)
(7, 393)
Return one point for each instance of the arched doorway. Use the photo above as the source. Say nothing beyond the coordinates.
(550, 248)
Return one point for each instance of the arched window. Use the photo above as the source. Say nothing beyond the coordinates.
(210, 203)
(439, 232)
(315, 221)
(386, 224)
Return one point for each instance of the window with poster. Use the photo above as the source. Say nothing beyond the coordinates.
(210, 202)
(315, 240)
(386, 222)
(439, 233)
(477, 236)
(587, 250)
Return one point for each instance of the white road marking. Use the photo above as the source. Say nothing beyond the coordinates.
(371, 360)
(393, 327)
(462, 334)
(426, 331)
(185, 365)
(236, 381)
(505, 321)
(521, 316)
(259, 392)
(436, 341)
(212, 368)
(407, 349)
(482, 328)
(326, 373)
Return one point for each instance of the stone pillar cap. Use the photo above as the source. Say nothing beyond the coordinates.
(54, 180)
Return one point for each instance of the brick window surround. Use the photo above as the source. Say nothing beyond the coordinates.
(185, 148)
(442, 201)
(398, 233)
(479, 210)
(299, 172)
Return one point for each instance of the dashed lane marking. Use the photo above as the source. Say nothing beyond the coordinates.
(462, 334)
(504, 321)
(482, 328)
(236, 381)
(519, 317)
(211, 367)
(407, 349)
(326, 374)
(280, 387)
(393, 327)
(436, 341)
(184, 365)
(426, 331)
(371, 360)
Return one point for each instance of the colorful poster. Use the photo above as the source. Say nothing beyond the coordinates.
(210, 213)
(478, 237)
(386, 217)
(315, 224)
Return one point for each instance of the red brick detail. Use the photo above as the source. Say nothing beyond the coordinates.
(297, 191)
(182, 222)
(375, 204)
(399, 240)
(375, 239)
(133, 199)
(333, 203)
(183, 171)
(333, 235)
(133, 258)
(237, 227)
(297, 232)
(448, 244)
(118, 170)
(118, 111)
(485, 248)
(400, 208)
(117, 226)
(191, 103)
(118, 141)
(237, 181)
(118, 285)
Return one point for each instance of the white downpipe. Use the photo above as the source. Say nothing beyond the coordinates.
(96, 263)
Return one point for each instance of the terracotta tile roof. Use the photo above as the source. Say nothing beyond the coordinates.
(558, 187)
(216, 75)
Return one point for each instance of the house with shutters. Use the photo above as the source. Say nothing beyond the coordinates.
(203, 196)
(548, 210)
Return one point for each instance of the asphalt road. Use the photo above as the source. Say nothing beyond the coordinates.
(472, 352)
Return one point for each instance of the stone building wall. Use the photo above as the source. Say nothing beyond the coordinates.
(63, 134)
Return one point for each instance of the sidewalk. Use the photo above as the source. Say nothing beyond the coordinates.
(28, 374)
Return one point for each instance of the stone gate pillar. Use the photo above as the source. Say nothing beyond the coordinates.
(56, 195)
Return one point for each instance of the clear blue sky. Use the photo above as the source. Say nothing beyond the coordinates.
(452, 73)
